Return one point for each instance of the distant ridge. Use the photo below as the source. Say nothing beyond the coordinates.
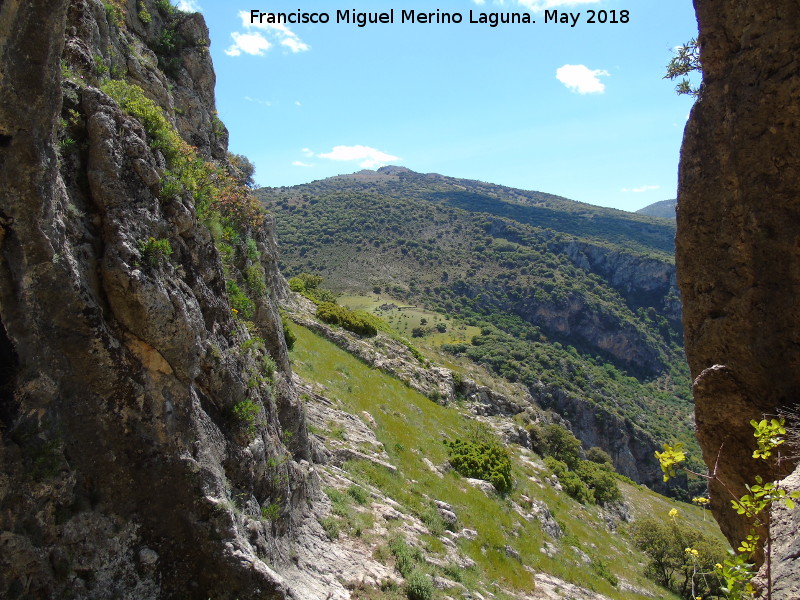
(664, 209)
(637, 232)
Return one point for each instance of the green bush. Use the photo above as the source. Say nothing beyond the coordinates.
(171, 187)
(601, 568)
(251, 249)
(339, 315)
(155, 252)
(304, 282)
(144, 15)
(569, 480)
(454, 572)
(562, 445)
(254, 276)
(600, 480)
(271, 512)
(340, 503)
(242, 306)
(433, 521)
(246, 413)
(599, 456)
(419, 586)
(684, 572)
(166, 7)
(308, 286)
(163, 135)
(331, 527)
(268, 367)
(359, 494)
(114, 15)
(486, 460)
(245, 170)
(537, 439)
(289, 337)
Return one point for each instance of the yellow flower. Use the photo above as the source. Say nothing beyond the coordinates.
(691, 551)
(718, 567)
(673, 513)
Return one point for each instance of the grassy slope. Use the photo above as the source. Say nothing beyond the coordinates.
(654, 407)
(404, 318)
(412, 427)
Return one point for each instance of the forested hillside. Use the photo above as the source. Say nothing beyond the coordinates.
(576, 302)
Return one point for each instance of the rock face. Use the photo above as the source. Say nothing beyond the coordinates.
(785, 572)
(641, 280)
(574, 317)
(125, 469)
(738, 230)
(630, 447)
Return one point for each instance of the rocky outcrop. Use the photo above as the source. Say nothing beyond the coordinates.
(738, 229)
(785, 566)
(630, 447)
(140, 441)
(643, 281)
(381, 352)
(578, 318)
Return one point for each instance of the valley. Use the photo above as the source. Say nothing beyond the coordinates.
(575, 303)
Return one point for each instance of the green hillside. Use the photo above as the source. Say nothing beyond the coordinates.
(576, 302)
(505, 544)
(603, 225)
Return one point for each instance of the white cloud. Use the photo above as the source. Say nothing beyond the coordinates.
(299, 163)
(268, 33)
(369, 157)
(307, 152)
(644, 188)
(582, 79)
(189, 6)
(298, 103)
(479, 2)
(294, 44)
(249, 43)
(257, 101)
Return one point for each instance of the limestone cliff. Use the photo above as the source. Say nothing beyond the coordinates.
(144, 424)
(738, 257)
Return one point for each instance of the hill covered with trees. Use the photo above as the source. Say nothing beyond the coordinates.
(576, 302)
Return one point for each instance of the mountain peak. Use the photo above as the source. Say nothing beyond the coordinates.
(394, 170)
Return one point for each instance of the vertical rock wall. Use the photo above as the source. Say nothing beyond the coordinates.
(738, 239)
(125, 470)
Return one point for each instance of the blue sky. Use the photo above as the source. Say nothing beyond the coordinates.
(581, 111)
